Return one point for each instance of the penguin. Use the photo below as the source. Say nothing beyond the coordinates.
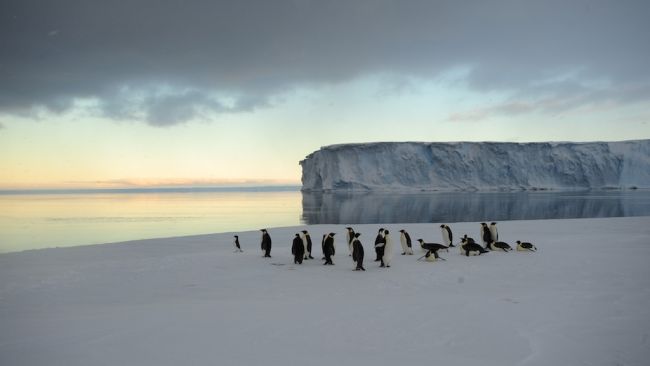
(405, 240)
(499, 246)
(432, 246)
(388, 249)
(328, 249)
(357, 252)
(236, 244)
(306, 240)
(431, 250)
(525, 246)
(494, 233)
(469, 247)
(297, 249)
(350, 238)
(266, 243)
(486, 236)
(447, 236)
(379, 240)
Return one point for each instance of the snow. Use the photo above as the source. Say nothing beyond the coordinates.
(400, 166)
(581, 300)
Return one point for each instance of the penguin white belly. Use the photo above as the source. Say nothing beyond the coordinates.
(388, 252)
(304, 245)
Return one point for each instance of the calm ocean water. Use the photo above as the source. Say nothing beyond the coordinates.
(54, 219)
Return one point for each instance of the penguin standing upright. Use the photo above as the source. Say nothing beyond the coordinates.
(266, 243)
(388, 249)
(328, 249)
(306, 239)
(357, 252)
(350, 238)
(236, 244)
(297, 249)
(486, 236)
(379, 244)
(494, 233)
(447, 236)
(405, 241)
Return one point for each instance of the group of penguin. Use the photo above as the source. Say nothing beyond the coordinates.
(301, 247)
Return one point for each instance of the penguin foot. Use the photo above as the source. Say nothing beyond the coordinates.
(387, 266)
(403, 253)
(310, 257)
(382, 266)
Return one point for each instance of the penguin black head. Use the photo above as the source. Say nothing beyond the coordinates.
(442, 226)
(518, 241)
(386, 232)
(356, 235)
(483, 224)
(332, 234)
(297, 235)
(304, 231)
(381, 229)
(421, 241)
(236, 236)
(493, 223)
(401, 231)
(348, 228)
(263, 230)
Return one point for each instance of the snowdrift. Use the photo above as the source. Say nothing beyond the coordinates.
(477, 166)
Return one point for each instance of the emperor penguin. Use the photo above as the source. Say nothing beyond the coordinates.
(306, 240)
(328, 249)
(525, 246)
(470, 247)
(405, 241)
(447, 236)
(350, 238)
(266, 243)
(388, 249)
(432, 250)
(379, 245)
(236, 244)
(297, 249)
(486, 236)
(499, 246)
(494, 233)
(432, 246)
(357, 252)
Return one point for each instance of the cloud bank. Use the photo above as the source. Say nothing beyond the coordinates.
(169, 62)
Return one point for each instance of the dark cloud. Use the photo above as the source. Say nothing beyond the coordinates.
(169, 61)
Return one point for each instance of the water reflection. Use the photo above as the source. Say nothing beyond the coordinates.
(369, 208)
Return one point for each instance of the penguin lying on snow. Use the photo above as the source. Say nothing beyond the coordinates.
(525, 246)
(432, 250)
(469, 247)
(432, 246)
(499, 245)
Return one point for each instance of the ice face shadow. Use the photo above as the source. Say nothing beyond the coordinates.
(371, 208)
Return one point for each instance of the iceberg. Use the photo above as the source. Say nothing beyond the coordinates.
(477, 166)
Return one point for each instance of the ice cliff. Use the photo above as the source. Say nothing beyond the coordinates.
(415, 166)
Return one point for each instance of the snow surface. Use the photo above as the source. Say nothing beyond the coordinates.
(581, 300)
(478, 166)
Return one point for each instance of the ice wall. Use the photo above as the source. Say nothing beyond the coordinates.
(414, 166)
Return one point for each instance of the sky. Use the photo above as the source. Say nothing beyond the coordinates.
(101, 94)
